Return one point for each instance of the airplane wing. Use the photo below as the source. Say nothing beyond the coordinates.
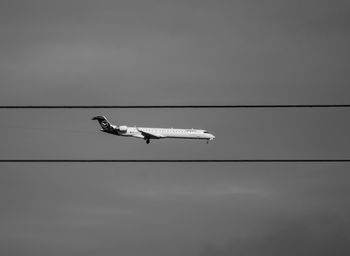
(140, 136)
(149, 135)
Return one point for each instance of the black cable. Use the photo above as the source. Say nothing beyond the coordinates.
(177, 106)
(173, 160)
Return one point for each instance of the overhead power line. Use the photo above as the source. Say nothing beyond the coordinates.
(176, 106)
(173, 160)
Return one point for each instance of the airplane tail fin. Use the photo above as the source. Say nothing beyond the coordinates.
(105, 124)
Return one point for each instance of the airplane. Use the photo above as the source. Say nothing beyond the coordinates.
(152, 133)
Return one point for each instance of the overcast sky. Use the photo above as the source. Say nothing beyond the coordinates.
(175, 52)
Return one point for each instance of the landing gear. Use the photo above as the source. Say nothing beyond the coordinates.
(147, 141)
(207, 141)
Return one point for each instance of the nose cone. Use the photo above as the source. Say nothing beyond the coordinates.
(211, 136)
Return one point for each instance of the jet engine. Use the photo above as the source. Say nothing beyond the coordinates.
(123, 128)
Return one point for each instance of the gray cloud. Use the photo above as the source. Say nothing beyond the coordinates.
(271, 51)
(323, 234)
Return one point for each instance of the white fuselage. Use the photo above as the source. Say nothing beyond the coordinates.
(148, 133)
(139, 132)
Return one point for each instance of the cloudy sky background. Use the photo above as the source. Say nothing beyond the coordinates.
(175, 52)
